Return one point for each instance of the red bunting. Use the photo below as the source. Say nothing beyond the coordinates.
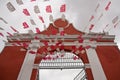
(25, 11)
(91, 18)
(13, 29)
(38, 31)
(63, 8)
(41, 18)
(1, 34)
(25, 25)
(9, 34)
(91, 26)
(108, 5)
(48, 9)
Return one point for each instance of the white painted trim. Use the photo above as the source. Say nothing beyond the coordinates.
(95, 65)
(27, 67)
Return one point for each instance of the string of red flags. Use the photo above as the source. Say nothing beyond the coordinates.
(107, 6)
(48, 9)
(63, 8)
(36, 9)
(25, 25)
(19, 2)
(41, 19)
(26, 12)
(13, 29)
(10, 7)
(3, 20)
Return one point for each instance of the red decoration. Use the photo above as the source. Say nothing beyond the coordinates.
(87, 47)
(41, 18)
(25, 25)
(25, 11)
(91, 26)
(45, 43)
(54, 32)
(9, 34)
(32, 52)
(25, 45)
(108, 5)
(63, 8)
(92, 17)
(48, 9)
(1, 35)
(37, 30)
(13, 29)
(62, 33)
(75, 58)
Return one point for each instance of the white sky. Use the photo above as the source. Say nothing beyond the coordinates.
(77, 12)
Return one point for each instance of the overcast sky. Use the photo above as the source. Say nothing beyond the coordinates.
(77, 12)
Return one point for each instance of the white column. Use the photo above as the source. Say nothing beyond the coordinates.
(96, 67)
(27, 66)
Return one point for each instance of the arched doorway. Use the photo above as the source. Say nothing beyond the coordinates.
(63, 66)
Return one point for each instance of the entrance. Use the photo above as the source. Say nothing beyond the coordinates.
(62, 66)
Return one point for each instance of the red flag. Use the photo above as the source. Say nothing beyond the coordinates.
(25, 25)
(9, 34)
(108, 5)
(92, 17)
(25, 11)
(37, 30)
(41, 18)
(91, 26)
(13, 29)
(1, 34)
(63, 8)
(48, 9)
